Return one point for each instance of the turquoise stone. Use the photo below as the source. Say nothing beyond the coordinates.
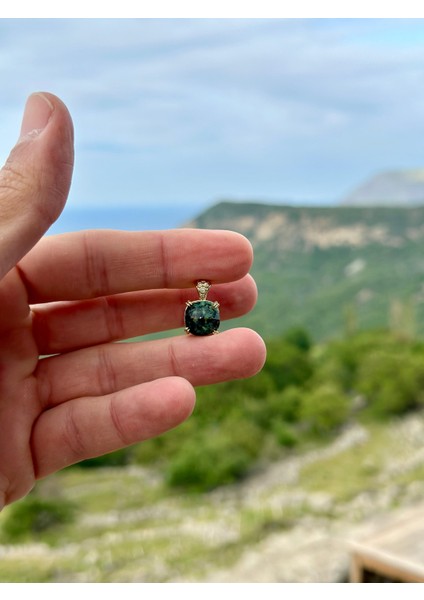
(202, 317)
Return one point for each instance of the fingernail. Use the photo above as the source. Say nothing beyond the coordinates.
(38, 111)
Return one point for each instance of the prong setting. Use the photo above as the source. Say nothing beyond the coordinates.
(202, 316)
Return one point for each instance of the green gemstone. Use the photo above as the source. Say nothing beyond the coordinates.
(202, 317)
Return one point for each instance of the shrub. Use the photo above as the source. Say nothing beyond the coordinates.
(287, 404)
(340, 360)
(217, 456)
(392, 382)
(287, 365)
(284, 433)
(34, 515)
(298, 337)
(324, 408)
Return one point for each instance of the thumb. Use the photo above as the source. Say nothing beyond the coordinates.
(35, 181)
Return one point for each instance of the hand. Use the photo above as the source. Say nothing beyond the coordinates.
(69, 297)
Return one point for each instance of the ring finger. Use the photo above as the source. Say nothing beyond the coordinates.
(108, 368)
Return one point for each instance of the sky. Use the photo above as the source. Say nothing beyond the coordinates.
(193, 111)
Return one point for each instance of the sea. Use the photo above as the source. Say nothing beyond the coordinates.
(127, 218)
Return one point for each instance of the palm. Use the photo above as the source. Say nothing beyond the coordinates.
(19, 407)
(68, 300)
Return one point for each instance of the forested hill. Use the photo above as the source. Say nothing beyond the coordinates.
(331, 269)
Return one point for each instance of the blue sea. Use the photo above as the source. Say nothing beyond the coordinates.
(124, 218)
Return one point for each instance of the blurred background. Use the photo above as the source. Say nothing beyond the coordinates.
(306, 135)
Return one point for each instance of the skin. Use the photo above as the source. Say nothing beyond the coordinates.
(67, 391)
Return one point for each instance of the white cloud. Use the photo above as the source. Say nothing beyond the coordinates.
(197, 109)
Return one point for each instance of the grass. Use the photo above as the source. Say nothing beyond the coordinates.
(350, 472)
(363, 468)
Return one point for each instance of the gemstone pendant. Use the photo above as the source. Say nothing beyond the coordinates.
(202, 316)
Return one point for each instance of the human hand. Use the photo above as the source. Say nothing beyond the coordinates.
(69, 297)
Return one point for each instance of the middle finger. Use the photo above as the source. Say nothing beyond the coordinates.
(64, 326)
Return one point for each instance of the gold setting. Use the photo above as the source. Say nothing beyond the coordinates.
(202, 288)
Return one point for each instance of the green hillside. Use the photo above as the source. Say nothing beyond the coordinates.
(331, 269)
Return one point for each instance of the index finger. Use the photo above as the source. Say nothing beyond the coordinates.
(90, 264)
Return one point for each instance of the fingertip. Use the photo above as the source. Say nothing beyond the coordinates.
(180, 398)
(158, 406)
(243, 249)
(256, 356)
(237, 353)
(235, 298)
(249, 349)
(40, 109)
(234, 251)
(37, 113)
(251, 299)
(35, 180)
(48, 162)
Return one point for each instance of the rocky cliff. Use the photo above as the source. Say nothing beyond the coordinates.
(331, 268)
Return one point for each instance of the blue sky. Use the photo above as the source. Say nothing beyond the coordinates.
(193, 111)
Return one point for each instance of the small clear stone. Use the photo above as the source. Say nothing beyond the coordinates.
(202, 317)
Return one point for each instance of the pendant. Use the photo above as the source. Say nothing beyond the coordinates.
(201, 316)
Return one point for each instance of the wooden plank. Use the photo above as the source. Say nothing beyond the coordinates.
(395, 551)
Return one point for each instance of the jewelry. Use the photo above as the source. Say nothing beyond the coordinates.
(201, 316)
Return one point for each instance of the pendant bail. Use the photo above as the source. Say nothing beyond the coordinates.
(202, 288)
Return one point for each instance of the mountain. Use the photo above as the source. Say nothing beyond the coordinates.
(391, 188)
(330, 269)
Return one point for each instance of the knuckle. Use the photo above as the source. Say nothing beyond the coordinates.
(106, 374)
(73, 438)
(96, 269)
(112, 318)
(121, 431)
